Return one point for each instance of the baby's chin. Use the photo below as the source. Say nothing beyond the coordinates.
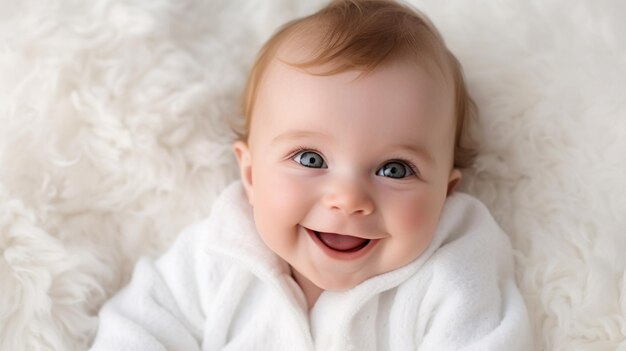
(340, 283)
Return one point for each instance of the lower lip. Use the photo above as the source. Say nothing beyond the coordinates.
(339, 255)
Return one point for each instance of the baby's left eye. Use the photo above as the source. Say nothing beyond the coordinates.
(395, 169)
(310, 159)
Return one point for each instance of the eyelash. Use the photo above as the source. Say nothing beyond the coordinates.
(410, 164)
(300, 149)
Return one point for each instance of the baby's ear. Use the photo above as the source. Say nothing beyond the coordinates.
(242, 153)
(454, 180)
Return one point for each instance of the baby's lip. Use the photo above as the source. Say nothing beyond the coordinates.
(359, 236)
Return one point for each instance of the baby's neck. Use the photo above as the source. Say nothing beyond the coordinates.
(311, 291)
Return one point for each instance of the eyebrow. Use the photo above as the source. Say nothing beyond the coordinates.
(296, 134)
(416, 150)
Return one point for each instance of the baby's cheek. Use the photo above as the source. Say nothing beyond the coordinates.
(280, 199)
(416, 218)
(273, 214)
(288, 196)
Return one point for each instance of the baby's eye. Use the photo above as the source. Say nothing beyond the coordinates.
(310, 159)
(395, 169)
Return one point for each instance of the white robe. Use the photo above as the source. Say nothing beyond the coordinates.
(220, 288)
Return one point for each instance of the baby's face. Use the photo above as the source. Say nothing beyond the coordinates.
(348, 177)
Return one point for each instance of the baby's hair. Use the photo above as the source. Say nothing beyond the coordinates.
(363, 35)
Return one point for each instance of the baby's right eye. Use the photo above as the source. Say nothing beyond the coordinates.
(310, 159)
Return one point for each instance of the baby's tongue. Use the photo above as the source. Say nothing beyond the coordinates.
(341, 242)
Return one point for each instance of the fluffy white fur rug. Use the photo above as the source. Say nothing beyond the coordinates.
(113, 136)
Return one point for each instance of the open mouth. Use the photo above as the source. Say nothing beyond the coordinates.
(342, 243)
(339, 246)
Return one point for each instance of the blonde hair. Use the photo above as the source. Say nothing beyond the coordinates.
(362, 35)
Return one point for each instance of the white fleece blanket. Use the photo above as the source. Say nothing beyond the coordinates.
(113, 137)
(220, 288)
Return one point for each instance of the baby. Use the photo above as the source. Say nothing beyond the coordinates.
(345, 232)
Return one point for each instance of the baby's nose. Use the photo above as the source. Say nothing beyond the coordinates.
(349, 197)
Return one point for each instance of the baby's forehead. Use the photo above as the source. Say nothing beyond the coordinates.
(400, 88)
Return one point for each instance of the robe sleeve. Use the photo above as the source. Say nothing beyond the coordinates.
(161, 308)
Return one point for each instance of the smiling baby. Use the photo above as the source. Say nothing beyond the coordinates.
(345, 231)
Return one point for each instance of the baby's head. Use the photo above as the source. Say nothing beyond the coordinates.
(354, 136)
